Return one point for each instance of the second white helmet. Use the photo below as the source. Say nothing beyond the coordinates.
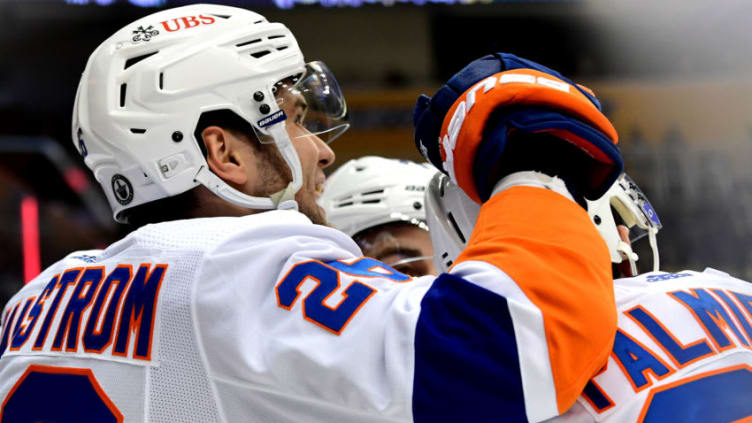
(372, 191)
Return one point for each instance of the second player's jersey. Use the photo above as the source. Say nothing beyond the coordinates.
(682, 352)
(270, 318)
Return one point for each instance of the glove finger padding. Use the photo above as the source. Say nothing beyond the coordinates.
(468, 128)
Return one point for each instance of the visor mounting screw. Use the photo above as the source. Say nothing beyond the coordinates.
(417, 205)
(597, 219)
(177, 136)
(258, 96)
(264, 108)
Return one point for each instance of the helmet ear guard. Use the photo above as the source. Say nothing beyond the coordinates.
(451, 216)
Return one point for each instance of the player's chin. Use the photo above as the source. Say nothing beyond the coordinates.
(308, 206)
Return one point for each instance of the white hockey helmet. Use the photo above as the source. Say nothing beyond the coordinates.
(451, 217)
(635, 212)
(145, 88)
(372, 191)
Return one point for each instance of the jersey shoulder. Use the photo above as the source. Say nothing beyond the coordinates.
(208, 234)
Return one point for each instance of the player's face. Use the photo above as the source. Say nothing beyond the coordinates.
(403, 246)
(313, 153)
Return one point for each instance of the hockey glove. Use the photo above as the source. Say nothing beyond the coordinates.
(502, 114)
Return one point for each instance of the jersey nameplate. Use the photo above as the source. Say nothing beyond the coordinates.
(725, 318)
(88, 311)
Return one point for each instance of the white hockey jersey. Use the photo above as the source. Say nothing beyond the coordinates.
(682, 353)
(269, 318)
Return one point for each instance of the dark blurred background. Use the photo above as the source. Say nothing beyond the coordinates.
(674, 77)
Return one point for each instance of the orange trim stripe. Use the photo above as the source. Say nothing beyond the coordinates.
(548, 246)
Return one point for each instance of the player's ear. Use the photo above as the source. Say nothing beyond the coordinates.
(223, 155)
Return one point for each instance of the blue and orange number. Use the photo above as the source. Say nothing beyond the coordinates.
(718, 396)
(58, 394)
(327, 279)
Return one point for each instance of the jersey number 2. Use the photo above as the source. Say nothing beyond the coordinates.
(58, 394)
(327, 279)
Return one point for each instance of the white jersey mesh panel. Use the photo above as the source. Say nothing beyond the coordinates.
(179, 387)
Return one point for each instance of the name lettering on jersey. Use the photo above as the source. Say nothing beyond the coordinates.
(594, 394)
(724, 316)
(86, 310)
(637, 361)
(712, 317)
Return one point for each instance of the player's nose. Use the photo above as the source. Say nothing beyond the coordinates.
(326, 154)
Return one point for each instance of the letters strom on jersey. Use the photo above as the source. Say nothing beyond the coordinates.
(83, 310)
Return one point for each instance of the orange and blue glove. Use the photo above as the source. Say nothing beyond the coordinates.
(502, 114)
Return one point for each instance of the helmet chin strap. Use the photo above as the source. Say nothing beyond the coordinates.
(282, 200)
(625, 250)
(652, 232)
(285, 199)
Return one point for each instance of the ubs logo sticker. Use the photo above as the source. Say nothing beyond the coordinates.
(186, 22)
(122, 189)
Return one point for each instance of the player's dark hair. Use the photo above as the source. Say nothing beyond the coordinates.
(177, 207)
(228, 120)
(184, 205)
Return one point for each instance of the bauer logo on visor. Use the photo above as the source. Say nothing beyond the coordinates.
(278, 116)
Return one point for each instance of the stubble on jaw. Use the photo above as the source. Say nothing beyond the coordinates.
(275, 175)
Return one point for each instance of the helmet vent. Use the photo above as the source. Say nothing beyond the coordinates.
(378, 191)
(456, 228)
(260, 54)
(258, 22)
(281, 48)
(161, 80)
(122, 94)
(350, 203)
(220, 16)
(257, 40)
(371, 201)
(138, 130)
(133, 60)
(273, 37)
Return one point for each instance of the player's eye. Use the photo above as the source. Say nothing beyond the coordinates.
(414, 269)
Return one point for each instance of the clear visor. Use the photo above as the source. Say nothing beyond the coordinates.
(312, 103)
(642, 217)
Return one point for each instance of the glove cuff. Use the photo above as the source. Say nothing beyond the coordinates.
(532, 179)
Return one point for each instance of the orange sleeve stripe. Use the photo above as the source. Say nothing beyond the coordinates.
(548, 246)
(525, 93)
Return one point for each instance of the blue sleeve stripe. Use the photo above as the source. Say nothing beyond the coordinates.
(466, 361)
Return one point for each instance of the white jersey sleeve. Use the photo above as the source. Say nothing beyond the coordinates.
(682, 352)
(270, 318)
